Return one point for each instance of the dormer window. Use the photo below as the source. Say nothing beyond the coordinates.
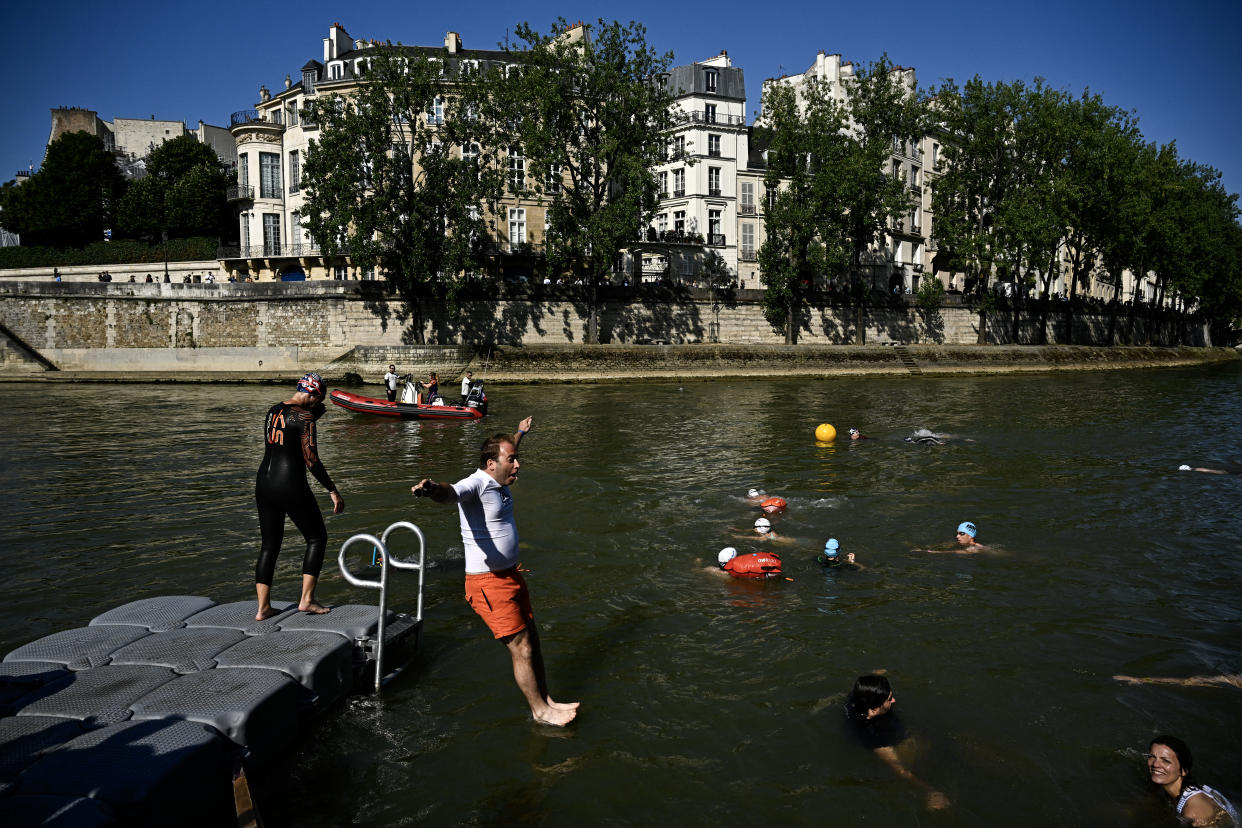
(709, 79)
(308, 81)
(336, 71)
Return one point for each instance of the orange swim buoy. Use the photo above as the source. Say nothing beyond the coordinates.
(754, 565)
(773, 505)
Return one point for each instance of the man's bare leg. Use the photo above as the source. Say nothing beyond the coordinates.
(308, 602)
(528, 673)
(264, 592)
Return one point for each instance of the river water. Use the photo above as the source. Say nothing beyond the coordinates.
(705, 700)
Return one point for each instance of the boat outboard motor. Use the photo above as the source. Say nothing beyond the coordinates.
(477, 398)
(409, 394)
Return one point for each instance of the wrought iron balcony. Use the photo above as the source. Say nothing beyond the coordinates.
(713, 191)
(705, 118)
(747, 210)
(240, 192)
(679, 193)
(269, 250)
(716, 239)
(748, 255)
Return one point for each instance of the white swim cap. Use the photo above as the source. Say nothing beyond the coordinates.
(763, 526)
(727, 554)
(754, 493)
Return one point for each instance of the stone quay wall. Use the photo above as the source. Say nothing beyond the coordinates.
(283, 328)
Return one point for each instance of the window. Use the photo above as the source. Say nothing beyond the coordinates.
(467, 68)
(291, 114)
(517, 225)
(271, 234)
(340, 272)
(935, 156)
(916, 219)
(709, 80)
(714, 236)
(713, 181)
(553, 184)
(679, 182)
(748, 197)
(269, 175)
(295, 171)
(662, 222)
(713, 145)
(517, 170)
(245, 234)
(709, 113)
(748, 241)
(914, 176)
(679, 146)
(243, 169)
(679, 222)
(470, 152)
(662, 183)
(309, 76)
(772, 192)
(335, 71)
(435, 113)
(361, 66)
(687, 266)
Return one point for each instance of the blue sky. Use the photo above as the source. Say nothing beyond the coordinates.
(1178, 68)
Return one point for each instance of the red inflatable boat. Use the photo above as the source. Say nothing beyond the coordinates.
(412, 411)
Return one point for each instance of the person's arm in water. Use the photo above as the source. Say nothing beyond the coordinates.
(936, 801)
(1202, 469)
(849, 560)
(1234, 680)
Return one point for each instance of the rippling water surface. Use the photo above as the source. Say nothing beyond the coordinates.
(707, 701)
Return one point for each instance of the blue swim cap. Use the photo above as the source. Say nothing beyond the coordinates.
(831, 548)
(968, 528)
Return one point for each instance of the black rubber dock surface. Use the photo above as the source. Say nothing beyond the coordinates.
(142, 717)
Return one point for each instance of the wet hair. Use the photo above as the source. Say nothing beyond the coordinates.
(490, 449)
(870, 691)
(1184, 757)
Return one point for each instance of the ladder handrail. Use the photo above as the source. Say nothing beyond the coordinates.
(386, 560)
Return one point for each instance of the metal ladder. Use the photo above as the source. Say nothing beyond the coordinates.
(386, 561)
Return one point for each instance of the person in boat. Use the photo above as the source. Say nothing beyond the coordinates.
(870, 717)
(495, 588)
(831, 557)
(466, 382)
(1233, 680)
(433, 389)
(390, 382)
(281, 490)
(967, 541)
(754, 565)
(1169, 764)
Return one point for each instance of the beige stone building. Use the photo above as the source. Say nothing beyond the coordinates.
(130, 140)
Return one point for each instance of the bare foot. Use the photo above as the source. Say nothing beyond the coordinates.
(555, 716)
(314, 608)
(563, 705)
(265, 614)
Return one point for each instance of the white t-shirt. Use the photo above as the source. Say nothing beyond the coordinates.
(390, 381)
(465, 386)
(488, 528)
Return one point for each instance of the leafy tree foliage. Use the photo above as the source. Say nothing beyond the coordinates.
(589, 115)
(388, 183)
(183, 194)
(71, 200)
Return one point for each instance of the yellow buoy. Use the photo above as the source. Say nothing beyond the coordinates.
(825, 433)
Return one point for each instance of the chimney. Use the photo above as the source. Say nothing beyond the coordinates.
(452, 42)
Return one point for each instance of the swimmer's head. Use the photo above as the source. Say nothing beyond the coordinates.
(967, 528)
(763, 526)
(310, 383)
(725, 555)
(753, 493)
(854, 435)
(832, 549)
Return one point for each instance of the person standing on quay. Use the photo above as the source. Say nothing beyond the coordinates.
(495, 589)
(281, 489)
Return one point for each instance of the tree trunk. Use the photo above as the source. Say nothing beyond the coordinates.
(592, 331)
(791, 333)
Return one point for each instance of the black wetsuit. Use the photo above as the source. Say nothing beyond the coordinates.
(281, 489)
(882, 731)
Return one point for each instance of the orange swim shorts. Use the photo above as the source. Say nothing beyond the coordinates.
(501, 600)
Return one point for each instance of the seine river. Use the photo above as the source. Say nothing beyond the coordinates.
(708, 701)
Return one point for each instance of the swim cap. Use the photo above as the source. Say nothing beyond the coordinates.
(853, 431)
(831, 548)
(311, 383)
(727, 554)
(968, 528)
(763, 526)
(754, 493)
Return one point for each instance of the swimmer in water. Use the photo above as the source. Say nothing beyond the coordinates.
(855, 434)
(1205, 470)
(1228, 680)
(831, 557)
(754, 565)
(966, 542)
(764, 532)
(756, 496)
(1169, 763)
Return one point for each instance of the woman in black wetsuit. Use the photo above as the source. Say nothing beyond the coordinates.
(281, 489)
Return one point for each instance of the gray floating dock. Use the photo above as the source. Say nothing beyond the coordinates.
(147, 711)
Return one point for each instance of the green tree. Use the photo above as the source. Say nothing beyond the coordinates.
(589, 112)
(71, 200)
(806, 223)
(183, 194)
(388, 182)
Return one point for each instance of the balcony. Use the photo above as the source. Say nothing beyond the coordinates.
(505, 247)
(239, 192)
(250, 119)
(715, 239)
(747, 210)
(748, 254)
(679, 193)
(653, 236)
(704, 118)
(713, 152)
(269, 250)
(713, 191)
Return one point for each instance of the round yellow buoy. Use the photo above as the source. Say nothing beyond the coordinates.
(825, 433)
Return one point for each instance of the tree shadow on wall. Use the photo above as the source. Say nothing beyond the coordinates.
(650, 312)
